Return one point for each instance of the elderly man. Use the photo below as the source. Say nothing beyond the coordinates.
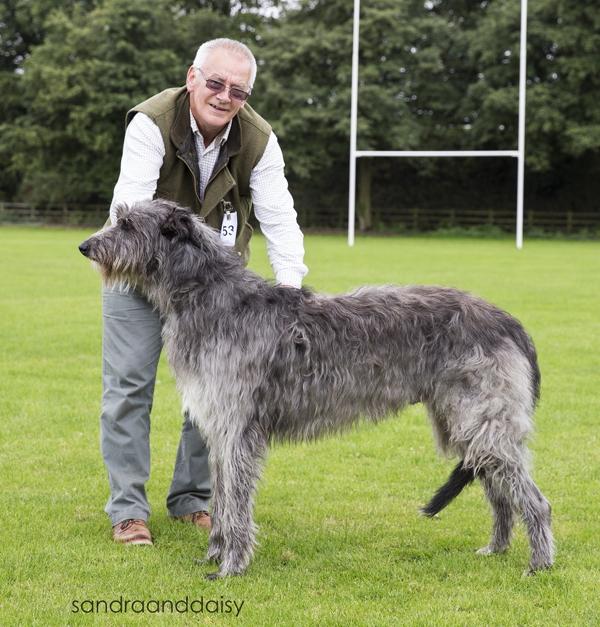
(203, 147)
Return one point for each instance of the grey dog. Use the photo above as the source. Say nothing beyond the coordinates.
(256, 363)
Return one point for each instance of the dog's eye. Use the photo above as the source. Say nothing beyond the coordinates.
(124, 223)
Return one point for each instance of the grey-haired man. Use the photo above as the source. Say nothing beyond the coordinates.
(204, 147)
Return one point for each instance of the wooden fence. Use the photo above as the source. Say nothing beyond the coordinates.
(397, 220)
(53, 214)
(431, 219)
(406, 220)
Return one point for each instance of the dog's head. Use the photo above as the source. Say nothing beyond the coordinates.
(144, 239)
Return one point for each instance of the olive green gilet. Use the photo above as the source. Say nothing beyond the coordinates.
(179, 177)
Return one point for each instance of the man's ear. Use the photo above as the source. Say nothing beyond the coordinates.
(245, 101)
(191, 78)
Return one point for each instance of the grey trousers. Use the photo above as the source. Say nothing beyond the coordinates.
(131, 347)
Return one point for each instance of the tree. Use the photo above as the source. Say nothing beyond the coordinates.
(23, 26)
(563, 80)
(77, 86)
(24, 23)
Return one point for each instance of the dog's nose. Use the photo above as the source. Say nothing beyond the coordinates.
(84, 248)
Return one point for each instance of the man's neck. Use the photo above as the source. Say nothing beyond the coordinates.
(207, 136)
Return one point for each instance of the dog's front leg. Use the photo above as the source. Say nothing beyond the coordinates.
(216, 541)
(237, 478)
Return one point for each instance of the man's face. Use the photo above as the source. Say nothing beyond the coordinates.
(213, 111)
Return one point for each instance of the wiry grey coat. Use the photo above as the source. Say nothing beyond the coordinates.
(255, 362)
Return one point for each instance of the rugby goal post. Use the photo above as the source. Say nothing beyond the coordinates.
(519, 153)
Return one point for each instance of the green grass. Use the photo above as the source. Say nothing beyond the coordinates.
(341, 540)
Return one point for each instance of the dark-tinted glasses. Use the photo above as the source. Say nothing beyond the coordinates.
(234, 92)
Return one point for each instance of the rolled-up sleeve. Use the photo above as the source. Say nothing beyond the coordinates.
(274, 209)
(143, 156)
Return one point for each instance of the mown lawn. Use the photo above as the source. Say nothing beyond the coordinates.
(341, 539)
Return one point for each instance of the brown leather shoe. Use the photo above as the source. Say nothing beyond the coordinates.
(132, 531)
(200, 519)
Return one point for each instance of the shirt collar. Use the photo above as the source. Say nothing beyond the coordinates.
(219, 139)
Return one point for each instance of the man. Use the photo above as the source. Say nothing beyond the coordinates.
(204, 147)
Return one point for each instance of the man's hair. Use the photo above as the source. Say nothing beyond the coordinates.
(231, 45)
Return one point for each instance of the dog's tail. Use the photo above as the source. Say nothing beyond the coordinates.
(460, 478)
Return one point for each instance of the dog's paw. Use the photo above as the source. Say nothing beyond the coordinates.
(214, 558)
(491, 550)
(534, 570)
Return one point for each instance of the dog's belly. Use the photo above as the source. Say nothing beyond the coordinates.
(198, 402)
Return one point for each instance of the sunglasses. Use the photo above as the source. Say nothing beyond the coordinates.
(234, 92)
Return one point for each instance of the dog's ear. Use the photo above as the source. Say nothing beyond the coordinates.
(120, 210)
(124, 223)
(177, 224)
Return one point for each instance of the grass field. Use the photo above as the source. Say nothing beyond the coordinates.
(341, 540)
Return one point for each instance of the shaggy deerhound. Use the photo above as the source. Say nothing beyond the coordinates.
(257, 363)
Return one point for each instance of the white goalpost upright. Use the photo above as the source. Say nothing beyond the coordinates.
(519, 153)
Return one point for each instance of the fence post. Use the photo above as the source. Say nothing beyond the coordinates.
(569, 222)
(415, 219)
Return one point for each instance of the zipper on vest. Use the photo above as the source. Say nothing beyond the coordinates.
(193, 176)
(216, 173)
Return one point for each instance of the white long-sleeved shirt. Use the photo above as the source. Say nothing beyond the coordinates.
(143, 155)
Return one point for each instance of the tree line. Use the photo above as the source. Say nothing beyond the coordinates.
(434, 75)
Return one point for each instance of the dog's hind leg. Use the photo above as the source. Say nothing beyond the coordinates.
(537, 516)
(514, 490)
(503, 515)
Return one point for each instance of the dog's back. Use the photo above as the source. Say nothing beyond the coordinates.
(378, 349)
